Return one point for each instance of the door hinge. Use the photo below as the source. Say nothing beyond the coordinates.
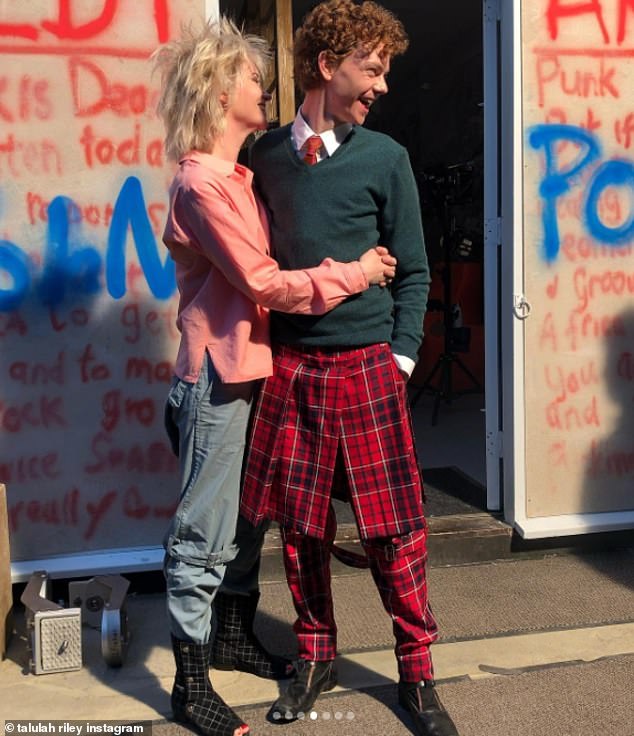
(495, 444)
(493, 231)
(493, 10)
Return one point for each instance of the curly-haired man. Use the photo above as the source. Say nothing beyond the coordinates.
(334, 416)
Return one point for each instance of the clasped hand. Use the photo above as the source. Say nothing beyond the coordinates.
(378, 265)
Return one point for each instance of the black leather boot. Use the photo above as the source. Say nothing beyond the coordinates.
(423, 704)
(312, 678)
(194, 701)
(235, 645)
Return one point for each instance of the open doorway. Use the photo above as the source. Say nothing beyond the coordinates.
(435, 109)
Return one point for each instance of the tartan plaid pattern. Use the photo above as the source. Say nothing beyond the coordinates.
(317, 402)
(194, 701)
(398, 570)
(307, 565)
(235, 645)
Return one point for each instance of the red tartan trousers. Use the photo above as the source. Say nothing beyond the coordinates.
(321, 405)
(398, 570)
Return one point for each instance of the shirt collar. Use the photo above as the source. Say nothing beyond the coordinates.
(331, 139)
(219, 165)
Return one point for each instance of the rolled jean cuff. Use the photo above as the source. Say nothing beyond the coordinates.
(189, 553)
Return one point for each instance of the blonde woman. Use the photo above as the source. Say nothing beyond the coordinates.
(217, 233)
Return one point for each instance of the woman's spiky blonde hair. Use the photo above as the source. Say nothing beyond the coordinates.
(195, 70)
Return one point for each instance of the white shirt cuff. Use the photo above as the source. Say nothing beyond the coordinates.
(405, 364)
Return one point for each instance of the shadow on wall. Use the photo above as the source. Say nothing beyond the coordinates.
(609, 469)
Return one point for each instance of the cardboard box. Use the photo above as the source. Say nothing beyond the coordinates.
(6, 597)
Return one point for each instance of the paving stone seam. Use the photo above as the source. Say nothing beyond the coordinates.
(459, 661)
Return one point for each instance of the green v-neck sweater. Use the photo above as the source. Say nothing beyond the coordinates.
(363, 195)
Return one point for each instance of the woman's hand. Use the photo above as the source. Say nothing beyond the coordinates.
(378, 265)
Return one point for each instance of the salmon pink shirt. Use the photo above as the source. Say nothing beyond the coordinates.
(217, 234)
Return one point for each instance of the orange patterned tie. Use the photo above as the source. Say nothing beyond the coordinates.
(312, 145)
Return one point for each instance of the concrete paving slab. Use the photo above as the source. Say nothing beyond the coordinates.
(498, 619)
(589, 699)
(140, 689)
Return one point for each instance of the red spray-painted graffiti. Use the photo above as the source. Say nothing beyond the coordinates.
(65, 27)
(578, 68)
(87, 339)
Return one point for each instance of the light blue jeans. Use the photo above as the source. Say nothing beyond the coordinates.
(207, 425)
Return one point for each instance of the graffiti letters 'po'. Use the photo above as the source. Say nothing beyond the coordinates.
(559, 178)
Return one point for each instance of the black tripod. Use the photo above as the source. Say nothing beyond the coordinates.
(455, 338)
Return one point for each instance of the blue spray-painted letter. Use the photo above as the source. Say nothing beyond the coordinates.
(557, 182)
(614, 173)
(79, 270)
(14, 262)
(130, 209)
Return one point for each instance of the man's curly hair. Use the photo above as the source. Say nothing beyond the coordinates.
(339, 27)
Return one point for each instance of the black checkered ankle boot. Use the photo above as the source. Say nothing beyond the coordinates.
(194, 701)
(236, 647)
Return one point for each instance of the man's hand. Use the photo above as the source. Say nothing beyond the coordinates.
(378, 265)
